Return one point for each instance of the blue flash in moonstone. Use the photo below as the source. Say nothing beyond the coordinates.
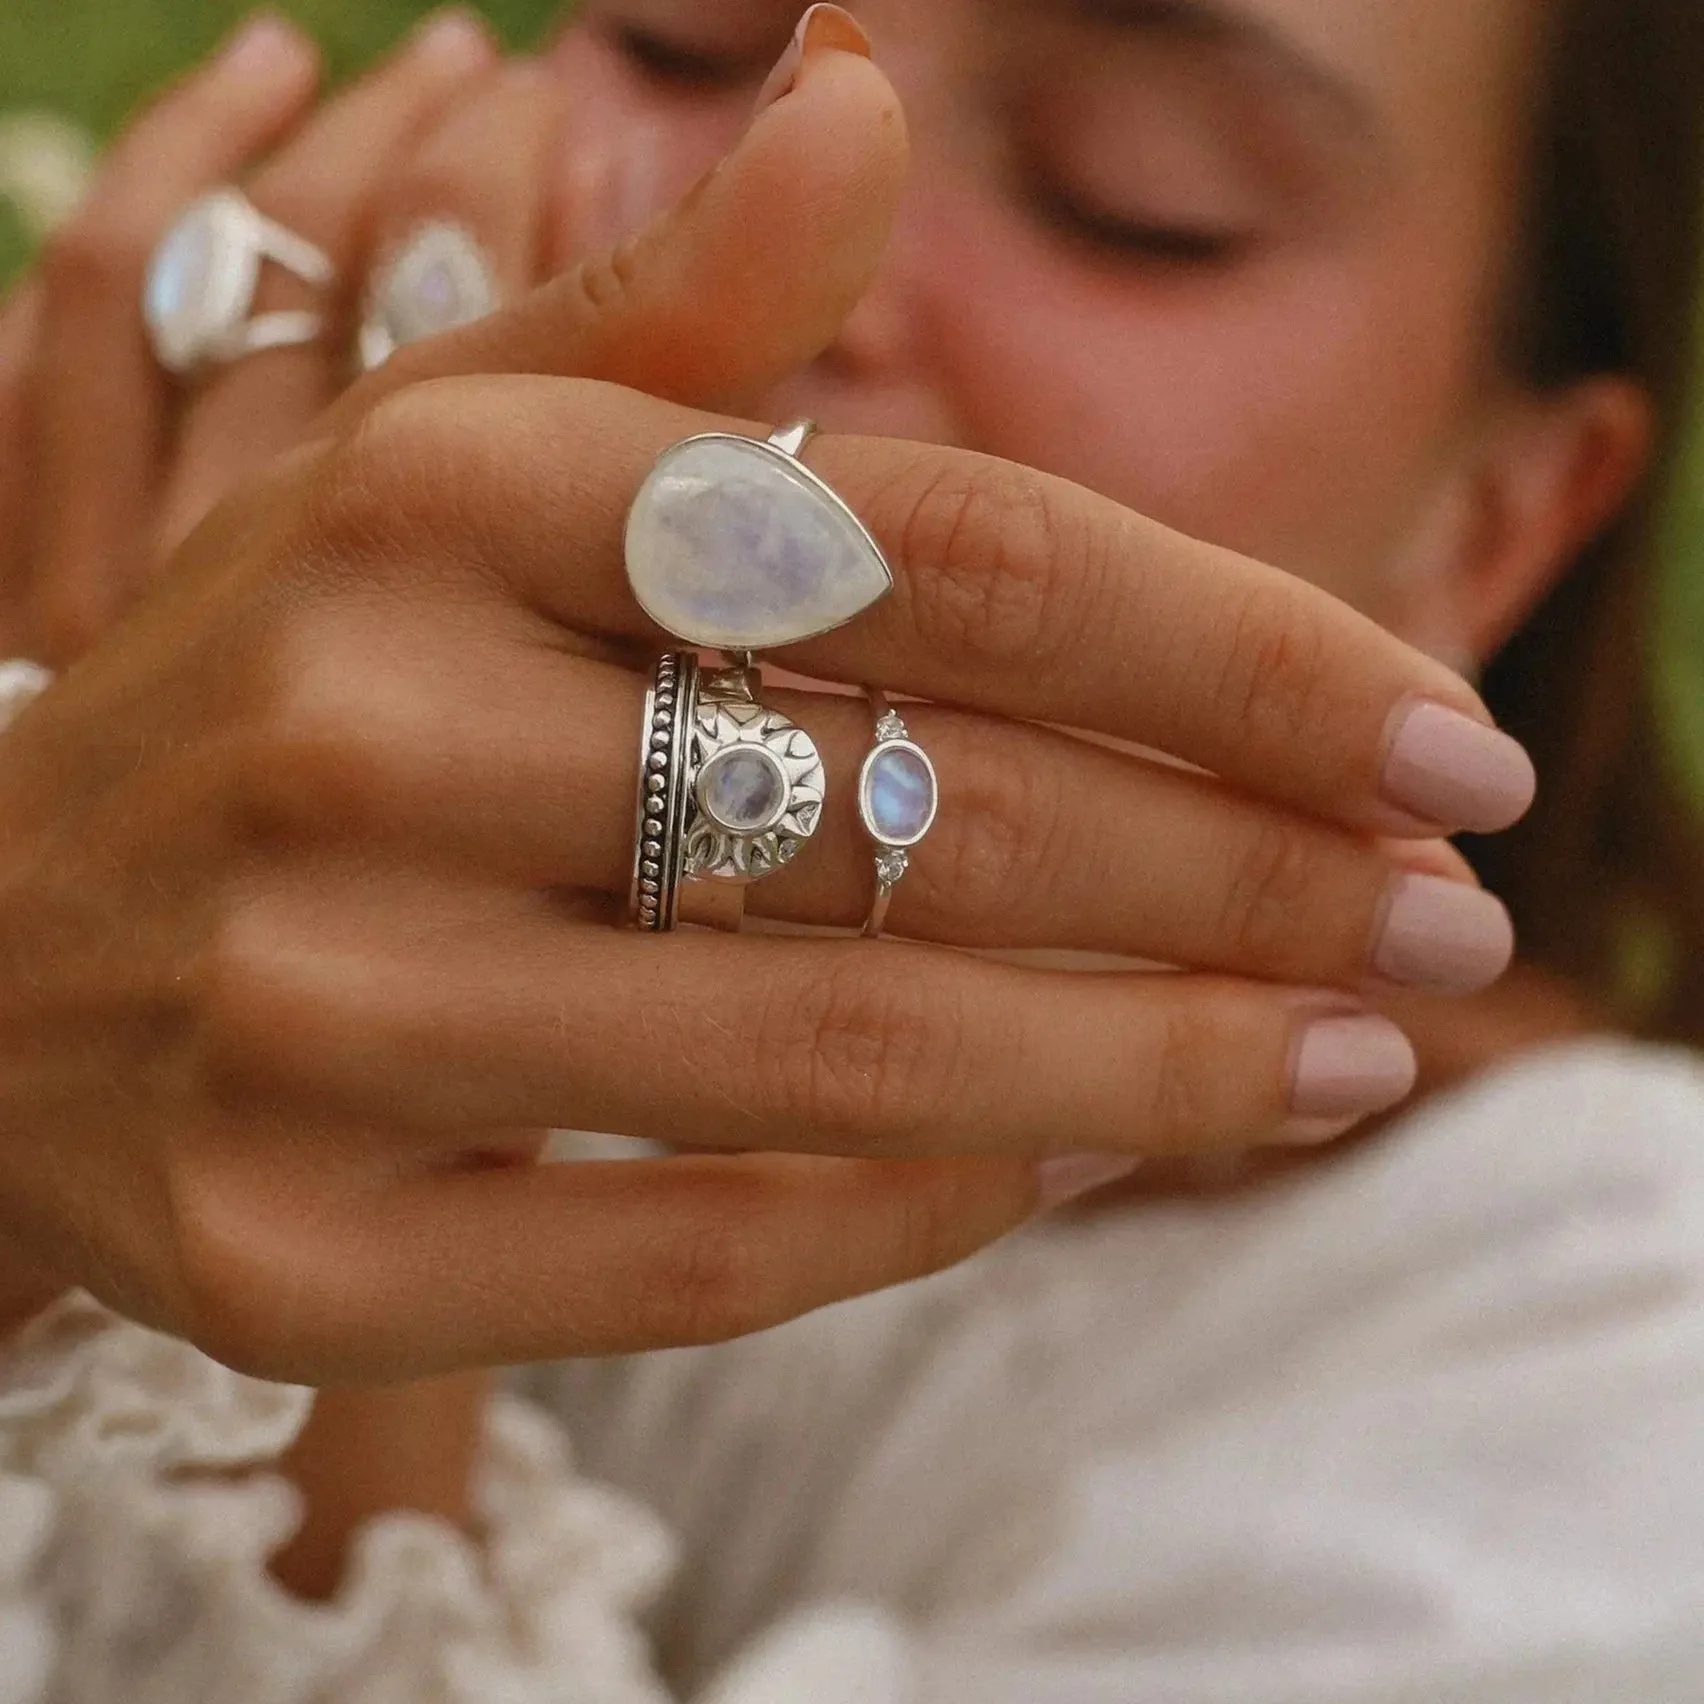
(899, 796)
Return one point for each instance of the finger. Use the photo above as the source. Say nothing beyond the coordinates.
(1016, 593)
(543, 1263)
(696, 308)
(1041, 840)
(101, 405)
(20, 331)
(444, 1009)
(325, 186)
(481, 172)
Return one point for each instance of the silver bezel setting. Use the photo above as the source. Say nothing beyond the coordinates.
(728, 717)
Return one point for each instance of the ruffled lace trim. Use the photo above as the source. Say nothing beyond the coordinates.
(126, 1579)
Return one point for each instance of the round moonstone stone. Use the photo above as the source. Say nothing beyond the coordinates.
(734, 546)
(743, 790)
(899, 795)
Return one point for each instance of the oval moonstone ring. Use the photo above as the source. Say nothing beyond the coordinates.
(198, 297)
(735, 545)
(898, 798)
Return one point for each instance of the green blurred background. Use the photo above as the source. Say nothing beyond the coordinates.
(92, 60)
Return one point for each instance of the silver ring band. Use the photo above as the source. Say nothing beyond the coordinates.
(899, 797)
(664, 756)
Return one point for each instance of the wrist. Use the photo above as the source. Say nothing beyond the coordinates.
(366, 1453)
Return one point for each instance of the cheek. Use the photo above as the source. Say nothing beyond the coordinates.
(628, 151)
(1291, 409)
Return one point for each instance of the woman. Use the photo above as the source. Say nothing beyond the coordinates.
(1320, 167)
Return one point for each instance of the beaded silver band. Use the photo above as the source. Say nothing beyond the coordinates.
(665, 757)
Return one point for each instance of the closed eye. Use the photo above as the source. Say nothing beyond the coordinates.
(684, 65)
(1174, 242)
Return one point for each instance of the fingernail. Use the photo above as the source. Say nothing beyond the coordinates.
(1446, 768)
(455, 36)
(822, 29)
(265, 46)
(1348, 1068)
(1443, 936)
(1072, 1176)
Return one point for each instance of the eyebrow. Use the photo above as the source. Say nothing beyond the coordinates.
(1222, 25)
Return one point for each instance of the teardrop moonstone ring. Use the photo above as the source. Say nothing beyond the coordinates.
(735, 545)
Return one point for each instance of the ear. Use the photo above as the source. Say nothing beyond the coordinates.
(1541, 478)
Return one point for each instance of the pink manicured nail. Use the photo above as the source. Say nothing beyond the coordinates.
(822, 29)
(1072, 1176)
(265, 46)
(453, 36)
(1444, 935)
(1350, 1068)
(1447, 769)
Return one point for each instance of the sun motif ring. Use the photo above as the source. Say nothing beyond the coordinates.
(437, 280)
(198, 300)
(898, 798)
(729, 792)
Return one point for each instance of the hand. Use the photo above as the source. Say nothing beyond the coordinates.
(353, 788)
(105, 462)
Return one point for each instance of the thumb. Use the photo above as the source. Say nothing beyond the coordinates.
(747, 278)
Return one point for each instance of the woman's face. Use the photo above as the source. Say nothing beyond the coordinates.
(1235, 263)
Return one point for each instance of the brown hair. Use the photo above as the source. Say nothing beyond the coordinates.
(1610, 284)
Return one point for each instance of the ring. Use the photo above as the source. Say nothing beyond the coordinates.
(437, 280)
(898, 798)
(729, 792)
(199, 294)
(734, 545)
(664, 756)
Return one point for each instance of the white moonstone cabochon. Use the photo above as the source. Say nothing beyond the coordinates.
(732, 545)
(180, 278)
(743, 790)
(899, 795)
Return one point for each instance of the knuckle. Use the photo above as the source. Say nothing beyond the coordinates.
(714, 1281)
(231, 1288)
(1274, 666)
(997, 845)
(1183, 1101)
(865, 1059)
(311, 766)
(1001, 570)
(387, 485)
(606, 284)
(1270, 897)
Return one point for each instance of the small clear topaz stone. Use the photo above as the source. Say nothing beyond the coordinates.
(900, 796)
(743, 790)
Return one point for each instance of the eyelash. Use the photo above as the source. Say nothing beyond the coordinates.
(681, 66)
(1182, 246)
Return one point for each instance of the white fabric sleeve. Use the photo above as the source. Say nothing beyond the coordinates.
(137, 1518)
(1422, 1423)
